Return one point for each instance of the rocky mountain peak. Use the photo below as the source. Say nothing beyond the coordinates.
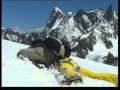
(56, 9)
(109, 15)
(55, 15)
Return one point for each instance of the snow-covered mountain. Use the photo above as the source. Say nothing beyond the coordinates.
(88, 33)
(16, 35)
(22, 73)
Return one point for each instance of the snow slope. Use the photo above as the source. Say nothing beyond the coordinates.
(100, 47)
(22, 73)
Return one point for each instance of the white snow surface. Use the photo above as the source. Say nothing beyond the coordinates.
(57, 23)
(69, 30)
(99, 49)
(85, 18)
(85, 36)
(12, 37)
(3, 28)
(17, 29)
(22, 73)
(57, 9)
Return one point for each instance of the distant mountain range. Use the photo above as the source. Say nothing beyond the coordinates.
(84, 31)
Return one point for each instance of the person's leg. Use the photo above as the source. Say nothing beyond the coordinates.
(103, 76)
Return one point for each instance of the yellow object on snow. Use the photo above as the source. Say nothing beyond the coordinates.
(103, 76)
(69, 67)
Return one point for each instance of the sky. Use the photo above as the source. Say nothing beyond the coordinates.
(29, 14)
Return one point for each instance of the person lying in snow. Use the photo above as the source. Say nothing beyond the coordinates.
(52, 50)
(45, 52)
(73, 73)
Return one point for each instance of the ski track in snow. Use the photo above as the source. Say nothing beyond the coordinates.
(22, 73)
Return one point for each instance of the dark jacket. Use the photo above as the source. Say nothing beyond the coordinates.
(45, 52)
(38, 55)
(60, 49)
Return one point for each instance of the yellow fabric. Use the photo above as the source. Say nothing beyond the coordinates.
(103, 76)
(70, 71)
(72, 65)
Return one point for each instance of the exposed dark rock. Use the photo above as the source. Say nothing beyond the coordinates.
(111, 59)
(109, 13)
(56, 14)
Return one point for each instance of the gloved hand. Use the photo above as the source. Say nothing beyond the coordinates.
(78, 68)
(68, 80)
